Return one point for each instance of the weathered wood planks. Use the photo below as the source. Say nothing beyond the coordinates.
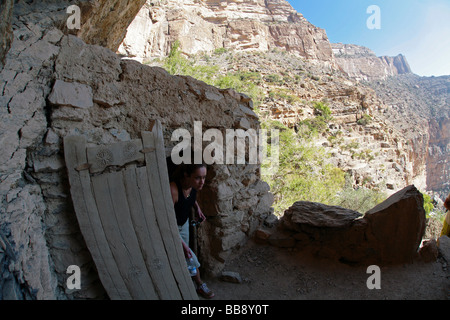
(89, 219)
(117, 154)
(165, 212)
(127, 217)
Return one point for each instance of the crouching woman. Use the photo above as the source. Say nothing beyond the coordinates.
(187, 180)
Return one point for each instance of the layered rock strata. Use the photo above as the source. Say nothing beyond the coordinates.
(209, 25)
(361, 63)
(418, 107)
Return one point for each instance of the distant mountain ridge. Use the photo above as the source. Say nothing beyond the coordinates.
(361, 63)
(247, 25)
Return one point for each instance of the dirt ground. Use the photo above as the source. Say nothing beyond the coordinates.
(271, 273)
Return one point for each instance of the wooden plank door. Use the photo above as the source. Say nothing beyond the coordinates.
(121, 196)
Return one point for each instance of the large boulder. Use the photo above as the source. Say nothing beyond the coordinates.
(389, 233)
(444, 248)
(397, 225)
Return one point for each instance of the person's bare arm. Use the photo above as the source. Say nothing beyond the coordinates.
(174, 193)
(199, 211)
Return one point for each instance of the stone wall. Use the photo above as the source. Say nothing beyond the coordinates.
(26, 81)
(53, 84)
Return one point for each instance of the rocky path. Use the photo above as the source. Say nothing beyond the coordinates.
(270, 273)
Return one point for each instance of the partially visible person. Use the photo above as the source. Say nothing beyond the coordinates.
(446, 228)
(187, 180)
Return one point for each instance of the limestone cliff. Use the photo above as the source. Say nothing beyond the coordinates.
(102, 22)
(106, 21)
(262, 26)
(418, 107)
(438, 160)
(361, 63)
(204, 26)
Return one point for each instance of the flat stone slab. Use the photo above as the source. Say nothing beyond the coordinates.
(71, 94)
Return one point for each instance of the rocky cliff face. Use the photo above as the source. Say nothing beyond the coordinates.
(361, 140)
(204, 26)
(37, 238)
(438, 160)
(361, 63)
(418, 107)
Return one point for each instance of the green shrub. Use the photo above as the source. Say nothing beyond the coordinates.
(361, 200)
(303, 173)
(365, 120)
(274, 78)
(323, 110)
(254, 77)
(245, 82)
(284, 94)
(310, 128)
(177, 64)
(427, 203)
(220, 51)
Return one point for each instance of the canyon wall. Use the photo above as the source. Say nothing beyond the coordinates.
(268, 26)
(418, 108)
(204, 26)
(262, 26)
(361, 63)
(361, 140)
(438, 160)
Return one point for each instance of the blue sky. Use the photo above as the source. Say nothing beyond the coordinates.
(418, 29)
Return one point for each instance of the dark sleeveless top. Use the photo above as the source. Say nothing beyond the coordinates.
(184, 205)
